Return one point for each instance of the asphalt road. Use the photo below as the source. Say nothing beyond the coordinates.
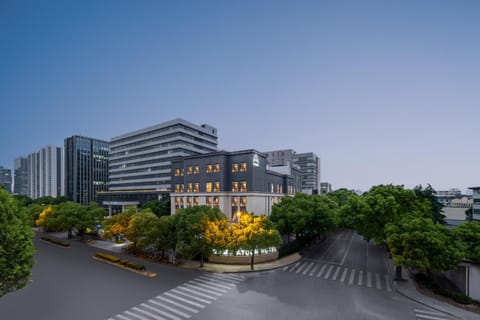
(343, 277)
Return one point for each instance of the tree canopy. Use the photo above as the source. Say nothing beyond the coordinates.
(158, 207)
(469, 234)
(16, 246)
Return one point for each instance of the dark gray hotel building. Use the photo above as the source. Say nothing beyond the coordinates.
(86, 168)
(6, 179)
(232, 181)
(20, 178)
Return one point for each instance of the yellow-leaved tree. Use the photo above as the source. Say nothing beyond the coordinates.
(43, 218)
(254, 233)
(219, 235)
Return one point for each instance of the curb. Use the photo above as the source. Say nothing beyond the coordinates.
(143, 273)
(54, 244)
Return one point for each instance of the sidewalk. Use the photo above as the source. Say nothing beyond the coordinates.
(408, 289)
(225, 268)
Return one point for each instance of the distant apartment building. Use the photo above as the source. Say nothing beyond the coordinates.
(308, 163)
(86, 168)
(141, 160)
(325, 188)
(20, 176)
(45, 172)
(476, 203)
(451, 197)
(234, 182)
(6, 179)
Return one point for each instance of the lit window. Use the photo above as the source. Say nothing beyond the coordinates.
(243, 187)
(234, 167)
(209, 186)
(234, 186)
(234, 201)
(209, 201)
(216, 202)
(243, 201)
(209, 168)
(177, 188)
(196, 201)
(196, 187)
(243, 167)
(196, 170)
(189, 201)
(190, 170)
(182, 188)
(216, 187)
(177, 172)
(190, 187)
(181, 172)
(280, 189)
(272, 188)
(178, 202)
(216, 167)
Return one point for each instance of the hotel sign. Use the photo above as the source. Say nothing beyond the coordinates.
(256, 161)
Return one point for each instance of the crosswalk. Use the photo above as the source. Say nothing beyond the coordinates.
(346, 275)
(184, 301)
(430, 315)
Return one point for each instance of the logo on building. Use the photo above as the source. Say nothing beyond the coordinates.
(256, 161)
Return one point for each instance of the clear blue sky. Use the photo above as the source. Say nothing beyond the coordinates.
(383, 91)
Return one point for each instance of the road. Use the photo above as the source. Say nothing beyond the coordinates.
(343, 277)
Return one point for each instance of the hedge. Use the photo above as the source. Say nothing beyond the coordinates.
(57, 242)
(117, 260)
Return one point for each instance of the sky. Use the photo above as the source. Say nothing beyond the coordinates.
(382, 91)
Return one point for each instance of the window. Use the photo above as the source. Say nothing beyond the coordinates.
(280, 189)
(177, 172)
(243, 187)
(190, 170)
(190, 187)
(234, 167)
(216, 202)
(216, 167)
(189, 202)
(208, 187)
(196, 201)
(196, 187)
(177, 188)
(178, 202)
(235, 186)
(182, 188)
(243, 203)
(209, 201)
(196, 170)
(209, 168)
(234, 201)
(243, 167)
(216, 187)
(272, 188)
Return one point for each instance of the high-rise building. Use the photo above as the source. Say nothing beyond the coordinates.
(20, 177)
(141, 160)
(6, 179)
(86, 168)
(476, 203)
(45, 172)
(308, 163)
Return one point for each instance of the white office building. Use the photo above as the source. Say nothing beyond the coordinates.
(141, 160)
(46, 171)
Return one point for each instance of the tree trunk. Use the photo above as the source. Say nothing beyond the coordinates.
(398, 273)
(201, 261)
(251, 260)
(69, 234)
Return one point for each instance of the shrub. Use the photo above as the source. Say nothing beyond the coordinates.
(117, 260)
(57, 242)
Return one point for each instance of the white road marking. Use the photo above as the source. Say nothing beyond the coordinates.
(159, 311)
(314, 269)
(321, 271)
(216, 279)
(387, 281)
(352, 277)
(347, 251)
(162, 305)
(213, 283)
(150, 314)
(301, 267)
(222, 278)
(344, 274)
(336, 273)
(421, 316)
(136, 316)
(190, 296)
(203, 285)
(429, 312)
(328, 272)
(175, 304)
(187, 301)
(294, 267)
(308, 268)
(196, 291)
(122, 317)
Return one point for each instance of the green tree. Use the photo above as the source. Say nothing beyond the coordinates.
(72, 216)
(33, 211)
(16, 246)
(469, 235)
(116, 225)
(159, 207)
(429, 194)
(255, 233)
(421, 244)
(167, 234)
(353, 215)
(191, 224)
(341, 196)
(142, 229)
(469, 214)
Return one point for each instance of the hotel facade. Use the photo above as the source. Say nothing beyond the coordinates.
(234, 182)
